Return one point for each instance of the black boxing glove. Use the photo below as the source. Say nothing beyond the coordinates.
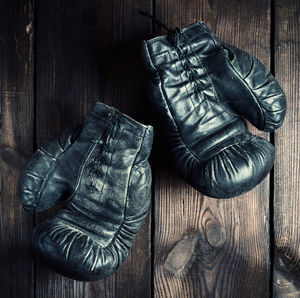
(200, 90)
(102, 173)
(44, 180)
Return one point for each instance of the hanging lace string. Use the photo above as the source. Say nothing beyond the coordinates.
(174, 36)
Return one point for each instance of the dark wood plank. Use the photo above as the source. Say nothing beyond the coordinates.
(88, 50)
(16, 144)
(232, 257)
(286, 278)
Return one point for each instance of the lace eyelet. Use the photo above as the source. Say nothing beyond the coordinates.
(186, 67)
(190, 78)
(180, 55)
(197, 89)
(196, 75)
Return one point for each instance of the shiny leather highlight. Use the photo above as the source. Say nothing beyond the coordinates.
(200, 90)
(102, 173)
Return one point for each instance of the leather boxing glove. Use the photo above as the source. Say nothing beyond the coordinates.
(45, 181)
(102, 172)
(200, 90)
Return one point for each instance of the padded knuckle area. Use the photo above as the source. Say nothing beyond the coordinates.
(236, 169)
(77, 252)
(72, 251)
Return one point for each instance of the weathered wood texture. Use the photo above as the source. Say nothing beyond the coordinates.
(87, 51)
(286, 281)
(16, 142)
(232, 258)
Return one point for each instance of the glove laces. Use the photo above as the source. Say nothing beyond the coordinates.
(174, 37)
(109, 132)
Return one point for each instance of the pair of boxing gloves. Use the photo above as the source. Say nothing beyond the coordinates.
(200, 91)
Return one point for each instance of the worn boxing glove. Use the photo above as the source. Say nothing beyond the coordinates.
(200, 91)
(102, 172)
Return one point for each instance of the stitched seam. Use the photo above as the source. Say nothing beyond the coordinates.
(249, 72)
(107, 167)
(164, 97)
(185, 71)
(245, 140)
(150, 42)
(126, 200)
(185, 85)
(213, 88)
(253, 95)
(149, 58)
(121, 225)
(213, 37)
(195, 36)
(202, 66)
(46, 178)
(180, 74)
(160, 53)
(63, 223)
(84, 162)
(143, 164)
(158, 72)
(203, 97)
(244, 80)
(211, 82)
(183, 30)
(138, 136)
(125, 118)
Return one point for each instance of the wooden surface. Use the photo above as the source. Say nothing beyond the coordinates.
(233, 255)
(86, 50)
(57, 57)
(16, 145)
(286, 281)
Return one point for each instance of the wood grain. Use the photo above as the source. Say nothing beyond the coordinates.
(233, 252)
(286, 279)
(87, 51)
(16, 142)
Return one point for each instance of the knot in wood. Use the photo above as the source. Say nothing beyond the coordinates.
(182, 255)
(215, 233)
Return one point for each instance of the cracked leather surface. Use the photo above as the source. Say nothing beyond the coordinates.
(102, 173)
(200, 91)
